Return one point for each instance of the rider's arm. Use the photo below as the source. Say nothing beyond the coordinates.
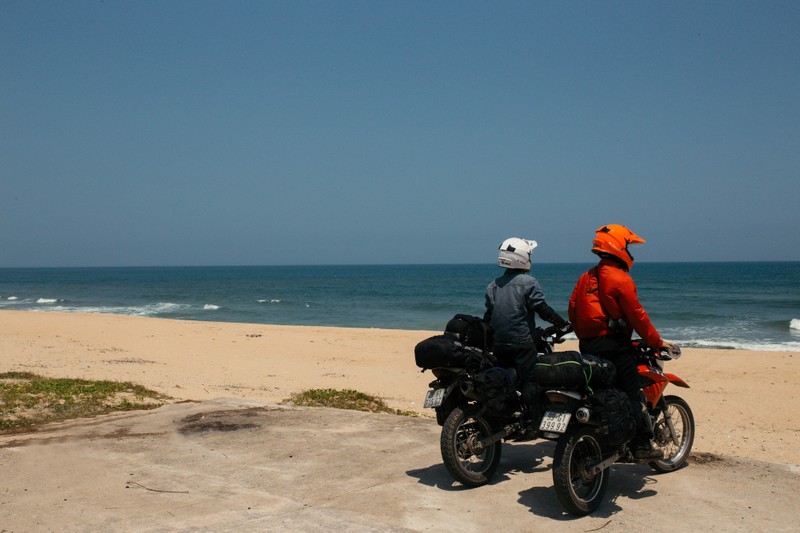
(547, 313)
(633, 311)
(536, 302)
(487, 316)
(572, 304)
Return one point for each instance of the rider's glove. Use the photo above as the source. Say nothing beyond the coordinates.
(672, 349)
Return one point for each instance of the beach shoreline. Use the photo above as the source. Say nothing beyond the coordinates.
(743, 401)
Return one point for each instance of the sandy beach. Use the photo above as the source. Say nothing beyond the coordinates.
(230, 458)
(745, 402)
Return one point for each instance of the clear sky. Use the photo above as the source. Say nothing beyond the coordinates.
(352, 132)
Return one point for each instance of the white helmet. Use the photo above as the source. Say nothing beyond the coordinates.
(516, 253)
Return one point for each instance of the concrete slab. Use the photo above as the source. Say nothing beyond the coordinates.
(234, 465)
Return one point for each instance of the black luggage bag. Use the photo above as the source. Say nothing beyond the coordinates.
(442, 351)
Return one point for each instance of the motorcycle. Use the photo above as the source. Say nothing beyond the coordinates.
(474, 426)
(589, 436)
(587, 445)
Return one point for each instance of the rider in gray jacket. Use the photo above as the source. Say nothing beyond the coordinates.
(512, 301)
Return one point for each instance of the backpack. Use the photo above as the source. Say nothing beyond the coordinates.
(470, 331)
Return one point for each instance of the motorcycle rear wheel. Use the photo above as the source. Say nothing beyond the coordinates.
(578, 490)
(466, 462)
(683, 421)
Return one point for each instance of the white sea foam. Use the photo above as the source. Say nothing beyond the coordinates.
(138, 310)
(47, 300)
(743, 345)
(794, 323)
(12, 298)
(149, 309)
(272, 301)
(210, 307)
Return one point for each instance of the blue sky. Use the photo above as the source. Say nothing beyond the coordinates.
(352, 132)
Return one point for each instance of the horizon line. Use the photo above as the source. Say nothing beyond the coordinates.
(324, 265)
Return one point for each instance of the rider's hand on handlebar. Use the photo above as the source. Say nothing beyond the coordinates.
(560, 331)
(673, 350)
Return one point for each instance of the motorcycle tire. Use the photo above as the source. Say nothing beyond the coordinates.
(675, 456)
(579, 491)
(467, 464)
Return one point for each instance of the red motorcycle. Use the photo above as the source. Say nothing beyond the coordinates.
(593, 430)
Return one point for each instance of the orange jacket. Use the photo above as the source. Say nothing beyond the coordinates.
(619, 300)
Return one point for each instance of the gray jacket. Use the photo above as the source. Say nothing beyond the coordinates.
(511, 301)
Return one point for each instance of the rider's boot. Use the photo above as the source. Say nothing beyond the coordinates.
(645, 450)
(527, 430)
(642, 445)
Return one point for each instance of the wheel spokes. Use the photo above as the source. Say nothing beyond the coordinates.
(586, 454)
(466, 437)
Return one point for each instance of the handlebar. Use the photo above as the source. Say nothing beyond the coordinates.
(555, 332)
(662, 353)
(555, 335)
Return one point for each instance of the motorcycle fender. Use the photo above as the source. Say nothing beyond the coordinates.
(449, 402)
(675, 380)
(452, 394)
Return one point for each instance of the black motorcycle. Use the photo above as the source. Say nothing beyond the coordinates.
(476, 402)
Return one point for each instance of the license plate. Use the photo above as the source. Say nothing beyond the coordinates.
(434, 398)
(555, 422)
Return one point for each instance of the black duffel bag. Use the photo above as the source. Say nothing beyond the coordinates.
(442, 351)
(573, 369)
(559, 369)
(470, 331)
(599, 372)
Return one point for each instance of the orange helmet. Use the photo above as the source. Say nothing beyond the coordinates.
(613, 239)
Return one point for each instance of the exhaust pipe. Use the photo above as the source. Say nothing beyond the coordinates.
(583, 414)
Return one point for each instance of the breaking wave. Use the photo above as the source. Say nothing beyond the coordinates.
(157, 309)
(743, 345)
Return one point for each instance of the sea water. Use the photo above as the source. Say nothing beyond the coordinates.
(717, 305)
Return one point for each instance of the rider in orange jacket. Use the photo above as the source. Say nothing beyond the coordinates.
(604, 310)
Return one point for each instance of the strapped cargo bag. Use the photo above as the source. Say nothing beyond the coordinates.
(441, 351)
(616, 415)
(599, 372)
(559, 369)
(573, 369)
(495, 385)
(470, 331)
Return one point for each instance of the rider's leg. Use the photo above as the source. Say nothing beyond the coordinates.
(623, 357)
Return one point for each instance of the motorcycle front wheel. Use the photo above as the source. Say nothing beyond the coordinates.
(579, 490)
(675, 455)
(467, 462)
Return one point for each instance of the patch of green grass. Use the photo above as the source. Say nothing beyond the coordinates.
(343, 399)
(27, 399)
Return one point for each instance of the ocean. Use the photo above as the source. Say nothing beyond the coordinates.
(713, 305)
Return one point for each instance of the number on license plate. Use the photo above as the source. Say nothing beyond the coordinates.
(434, 398)
(555, 422)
